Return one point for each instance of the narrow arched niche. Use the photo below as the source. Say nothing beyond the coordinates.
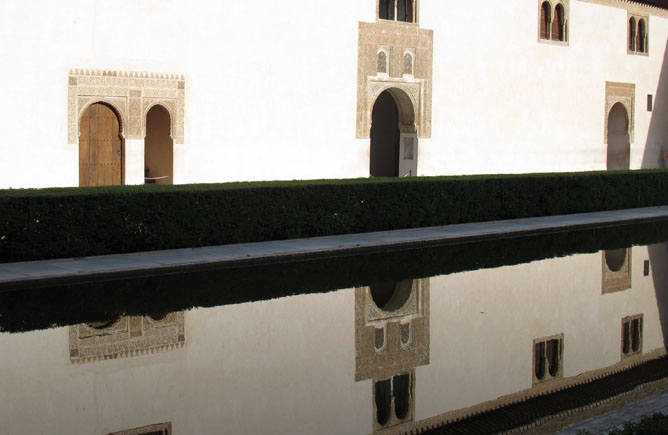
(159, 147)
(619, 147)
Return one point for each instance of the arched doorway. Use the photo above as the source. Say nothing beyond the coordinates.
(619, 146)
(393, 149)
(100, 147)
(158, 147)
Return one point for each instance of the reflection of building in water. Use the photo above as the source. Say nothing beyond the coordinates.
(126, 336)
(154, 429)
(391, 339)
(616, 270)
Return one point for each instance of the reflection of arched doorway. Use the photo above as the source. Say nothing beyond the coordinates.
(159, 147)
(393, 150)
(391, 296)
(100, 147)
(619, 147)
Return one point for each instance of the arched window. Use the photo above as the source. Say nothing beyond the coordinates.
(642, 37)
(558, 23)
(632, 34)
(401, 393)
(386, 10)
(383, 395)
(545, 19)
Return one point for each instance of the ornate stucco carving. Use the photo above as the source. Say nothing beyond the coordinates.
(130, 93)
(620, 93)
(396, 39)
(127, 336)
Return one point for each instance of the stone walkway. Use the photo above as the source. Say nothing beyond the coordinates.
(33, 272)
(630, 413)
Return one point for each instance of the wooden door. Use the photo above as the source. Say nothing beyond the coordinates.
(100, 147)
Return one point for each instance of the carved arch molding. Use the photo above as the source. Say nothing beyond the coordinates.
(131, 94)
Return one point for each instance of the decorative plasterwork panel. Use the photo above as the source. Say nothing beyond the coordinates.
(412, 93)
(632, 6)
(404, 334)
(620, 93)
(131, 94)
(127, 336)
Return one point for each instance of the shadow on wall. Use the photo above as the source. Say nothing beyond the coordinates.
(656, 148)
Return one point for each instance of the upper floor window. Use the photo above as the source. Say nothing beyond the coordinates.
(553, 21)
(637, 34)
(397, 10)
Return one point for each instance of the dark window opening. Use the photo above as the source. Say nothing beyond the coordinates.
(399, 10)
(650, 103)
(642, 33)
(553, 357)
(383, 401)
(632, 335)
(386, 11)
(558, 24)
(539, 361)
(632, 34)
(391, 296)
(615, 259)
(547, 354)
(401, 387)
(545, 19)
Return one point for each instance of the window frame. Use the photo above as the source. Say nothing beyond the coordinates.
(547, 376)
(416, 14)
(637, 19)
(565, 4)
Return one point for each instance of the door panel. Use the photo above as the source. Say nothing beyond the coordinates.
(100, 147)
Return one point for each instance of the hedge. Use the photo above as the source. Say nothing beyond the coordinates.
(74, 222)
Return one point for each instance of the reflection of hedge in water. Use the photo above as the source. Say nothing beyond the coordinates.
(76, 222)
(38, 308)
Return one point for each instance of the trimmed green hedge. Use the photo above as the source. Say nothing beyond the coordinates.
(74, 222)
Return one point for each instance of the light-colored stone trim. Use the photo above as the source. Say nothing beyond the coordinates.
(624, 93)
(632, 7)
(553, 4)
(616, 281)
(126, 337)
(131, 94)
(411, 93)
(165, 428)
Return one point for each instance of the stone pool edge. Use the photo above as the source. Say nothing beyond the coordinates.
(14, 276)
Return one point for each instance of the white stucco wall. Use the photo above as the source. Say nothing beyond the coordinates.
(271, 87)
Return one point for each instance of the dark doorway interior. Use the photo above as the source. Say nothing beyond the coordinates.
(384, 137)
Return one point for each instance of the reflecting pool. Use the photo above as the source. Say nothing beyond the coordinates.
(382, 343)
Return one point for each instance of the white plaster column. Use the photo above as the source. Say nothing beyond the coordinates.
(134, 161)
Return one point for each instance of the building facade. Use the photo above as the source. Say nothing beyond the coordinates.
(185, 92)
